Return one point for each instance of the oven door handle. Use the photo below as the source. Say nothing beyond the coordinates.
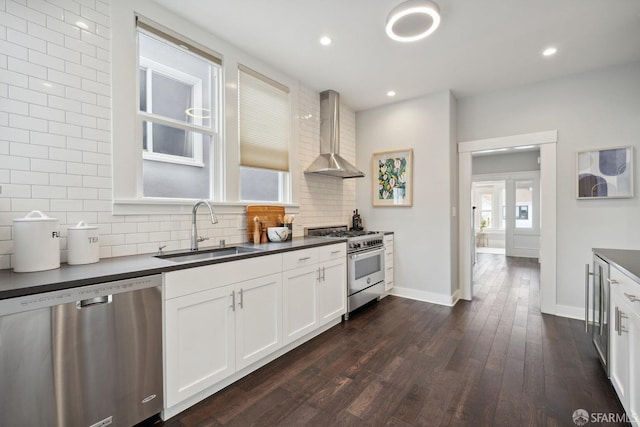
(364, 254)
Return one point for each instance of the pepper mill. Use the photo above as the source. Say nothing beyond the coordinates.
(264, 239)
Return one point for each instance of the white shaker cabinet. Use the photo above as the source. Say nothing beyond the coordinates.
(315, 290)
(219, 318)
(388, 262)
(258, 310)
(199, 342)
(625, 342)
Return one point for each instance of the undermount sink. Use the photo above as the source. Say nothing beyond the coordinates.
(208, 254)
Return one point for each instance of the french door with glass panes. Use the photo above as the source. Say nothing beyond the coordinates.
(522, 214)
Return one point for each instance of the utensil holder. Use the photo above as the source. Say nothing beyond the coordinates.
(289, 225)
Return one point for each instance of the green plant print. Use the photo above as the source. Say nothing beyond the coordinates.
(392, 178)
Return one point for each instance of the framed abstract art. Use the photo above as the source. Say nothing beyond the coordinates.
(604, 173)
(392, 178)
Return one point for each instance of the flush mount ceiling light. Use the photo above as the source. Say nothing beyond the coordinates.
(413, 20)
(549, 51)
(325, 40)
(391, 93)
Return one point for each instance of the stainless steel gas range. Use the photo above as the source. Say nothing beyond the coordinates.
(365, 263)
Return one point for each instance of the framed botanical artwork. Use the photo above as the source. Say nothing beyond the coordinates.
(605, 173)
(392, 178)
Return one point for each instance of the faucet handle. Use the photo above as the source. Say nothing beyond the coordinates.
(160, 248)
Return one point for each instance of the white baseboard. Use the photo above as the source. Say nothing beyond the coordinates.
(570, 311)
(432, 297)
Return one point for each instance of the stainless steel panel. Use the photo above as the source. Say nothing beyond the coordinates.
(364, 296)
(81, 362)
(599, 311)
(365, 269)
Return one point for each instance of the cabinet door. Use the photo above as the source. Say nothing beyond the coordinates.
(258, 318)
(332, 291)
(200, 342)
(634, 366)
(619, 347)
(299, 315)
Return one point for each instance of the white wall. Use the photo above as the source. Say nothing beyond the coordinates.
(425, 261)
(56, 140)
(508, 162)
(591, 110)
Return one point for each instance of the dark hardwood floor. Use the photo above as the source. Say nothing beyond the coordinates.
(495, 361)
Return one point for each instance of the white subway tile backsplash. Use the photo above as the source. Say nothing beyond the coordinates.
(66, 205)
(26, 40)
(28, 150)
(44, 33)
(46, 86)
(81, 95)
(66, 180)
(4, 119)
(96, 182)
(13, 22)
(27, 95)
(24, 67)
(94, 39)
(81, 144)
(47, 113)
(4, 149)
(65, 155)
(3, 58)
(103, 124)
(14, 134)
(29, 14)
(63, 52)
(81, 169)
(124, 250)
(26, 177)
(95, 16)
(95, 63)
(73, 18)
(96, 158)
(65, 129)
(80, 71)
(81, 120)
(64, 104)
(103, 32)
(82, 193)
(8, 162)
(14, 50)
(12, 106)
(96, 135)
(95, 87)
(64, 78)
(47, 139)
(79, 46)
(13, 77)
(67, 5)
(58, 24)
(28, 205)
(96, 205)
(45, 60)
(43, 165)
(28, 123)
(48, 192)
(48, 9)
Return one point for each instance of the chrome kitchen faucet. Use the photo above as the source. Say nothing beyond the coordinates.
(194, 231)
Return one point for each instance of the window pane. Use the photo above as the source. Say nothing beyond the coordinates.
(180, 81)
(259, 185)
(168, 140)
(524, 204)
(143, 89)
(163, 177)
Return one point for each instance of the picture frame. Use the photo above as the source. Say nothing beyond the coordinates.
(605, 173)
(392, 178)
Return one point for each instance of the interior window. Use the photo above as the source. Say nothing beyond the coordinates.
(178, 110)
(264, 129)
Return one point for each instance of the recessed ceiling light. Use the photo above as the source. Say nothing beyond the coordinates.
(391, 93)
(549, 51)
(325, 40)
(82, 25)
(413, 20)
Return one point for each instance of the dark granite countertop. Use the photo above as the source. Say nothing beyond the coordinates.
(127, 267)
(625, 260)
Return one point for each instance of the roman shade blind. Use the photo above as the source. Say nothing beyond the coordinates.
(264, 115)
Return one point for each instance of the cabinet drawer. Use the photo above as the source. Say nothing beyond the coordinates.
(388, 239)
(301, 258)
(198, 279)
(628, 288)
(326, 253)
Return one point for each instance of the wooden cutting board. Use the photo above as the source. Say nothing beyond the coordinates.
(272, 215)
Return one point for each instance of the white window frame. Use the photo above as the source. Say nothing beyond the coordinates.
(152, 67)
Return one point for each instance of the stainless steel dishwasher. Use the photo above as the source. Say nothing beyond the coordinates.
(87, 356)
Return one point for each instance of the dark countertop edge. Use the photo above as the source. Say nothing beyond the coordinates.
(162, 266)
(387, 232)
(620, 259)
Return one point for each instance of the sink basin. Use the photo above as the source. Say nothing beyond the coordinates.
(208, 254)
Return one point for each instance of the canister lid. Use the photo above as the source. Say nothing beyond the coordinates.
(83, 226)
(35, 216)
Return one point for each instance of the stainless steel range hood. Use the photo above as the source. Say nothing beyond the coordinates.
(329, 162)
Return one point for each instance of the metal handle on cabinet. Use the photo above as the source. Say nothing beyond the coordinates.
(616, 323)
(631, 298)
(335, 252)
(304, 258)
(318, 276)
(241, 298)
(233, 300)
(587, 273)
(323, 278)
(612, 281)
(621, 327)
(601, 310)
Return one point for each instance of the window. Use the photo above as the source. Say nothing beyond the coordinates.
(178, 115)
(264, 130)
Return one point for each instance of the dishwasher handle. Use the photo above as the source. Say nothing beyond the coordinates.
(94, 301)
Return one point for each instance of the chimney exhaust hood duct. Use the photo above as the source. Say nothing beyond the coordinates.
(330, 162)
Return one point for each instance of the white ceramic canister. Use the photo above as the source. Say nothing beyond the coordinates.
(36, 243)
(82, 244)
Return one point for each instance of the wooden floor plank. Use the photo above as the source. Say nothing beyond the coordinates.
(493, 361)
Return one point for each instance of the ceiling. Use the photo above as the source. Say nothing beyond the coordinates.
(480, 46)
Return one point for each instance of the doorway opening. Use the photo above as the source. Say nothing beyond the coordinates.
(538, 237)
(489, 216)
